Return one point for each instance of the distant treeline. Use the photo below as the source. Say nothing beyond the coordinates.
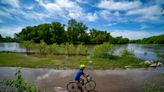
(150, 40)
(75, 32)
(7, 39)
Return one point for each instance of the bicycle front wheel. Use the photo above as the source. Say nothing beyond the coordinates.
(72, 87)
(90, 85)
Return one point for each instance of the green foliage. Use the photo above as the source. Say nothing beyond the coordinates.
(151, 87)
(7, 39)
(76, 32)
(28, 45)
(42, 48)
(103, 51)
(19, 84)
(127, 52)
(82, 50)
(151, 40)
(120, 40)
(98, 36)
(70, 49)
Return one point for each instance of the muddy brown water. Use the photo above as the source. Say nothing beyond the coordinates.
(118, 80)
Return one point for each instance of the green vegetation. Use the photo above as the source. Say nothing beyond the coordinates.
(103, 51)
(55, 49)
(150, 40)
(151, 87)
(7, 39)
(18, 84)
(64, 61)
(75, 33)
(127, 52)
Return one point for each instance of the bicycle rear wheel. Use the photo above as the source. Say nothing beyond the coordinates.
(90, 85)
(72, 86)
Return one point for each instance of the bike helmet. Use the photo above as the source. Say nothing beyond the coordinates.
(82, 67)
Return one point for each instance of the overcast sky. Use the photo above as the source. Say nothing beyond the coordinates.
(133, 19)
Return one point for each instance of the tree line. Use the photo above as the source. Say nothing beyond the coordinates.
(150, 40)
(7, 39)
(75, 32)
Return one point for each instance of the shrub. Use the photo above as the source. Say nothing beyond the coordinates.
(42, 48)
(29, 45)
(126, 52)
(103, 51)
(82, 50)
(70, 49)
(19, 84)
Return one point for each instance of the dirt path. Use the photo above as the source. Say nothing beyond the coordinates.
(129, 80)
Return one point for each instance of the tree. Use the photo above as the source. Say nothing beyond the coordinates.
(98, 36)
(76, 31)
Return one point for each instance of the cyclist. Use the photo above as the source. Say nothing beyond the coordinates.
(80, 73)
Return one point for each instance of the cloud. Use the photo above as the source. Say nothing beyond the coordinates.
(111, 24)
(82, 1)
(92, 17)
(121, 5)
(144, 27)
(115, 16)
(13, 3)
(150, 13)
(67, 9)
(134, 34)
(10, 31)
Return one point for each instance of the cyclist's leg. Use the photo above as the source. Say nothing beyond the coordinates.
(82, 81)
(80, 85)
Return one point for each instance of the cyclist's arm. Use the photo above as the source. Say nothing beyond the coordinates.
(85, 75)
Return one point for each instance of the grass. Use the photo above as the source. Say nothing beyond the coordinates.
(63, 61)
(151, 87)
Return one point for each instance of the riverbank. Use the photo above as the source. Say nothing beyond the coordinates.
(67, 62)
(126, 80)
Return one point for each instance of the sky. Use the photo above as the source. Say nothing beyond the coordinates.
(134, 19)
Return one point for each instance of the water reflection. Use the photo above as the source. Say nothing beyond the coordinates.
(143, 51)
(11, 47)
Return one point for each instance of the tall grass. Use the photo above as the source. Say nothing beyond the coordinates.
(103, 51)
(127, 52)
(55, 49)
(18, 84)
(151, 87)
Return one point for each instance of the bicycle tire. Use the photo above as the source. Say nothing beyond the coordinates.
(72, 86)
(90, 85)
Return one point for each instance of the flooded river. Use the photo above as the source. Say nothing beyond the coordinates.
(143, 51)
(118, 80)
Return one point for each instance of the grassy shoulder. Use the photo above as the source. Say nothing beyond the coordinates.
(63, 61)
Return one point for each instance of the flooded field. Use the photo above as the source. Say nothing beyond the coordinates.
(118, 80)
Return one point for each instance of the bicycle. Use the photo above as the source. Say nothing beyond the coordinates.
(89, 85)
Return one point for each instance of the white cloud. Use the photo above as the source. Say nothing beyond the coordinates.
(121, 5)
(82, 1)
(111, 24)
(92, 17)
(134, 34)
(112, 16)
(10, 31)
(105, 14)
(67, 9)
(143, 26)
(147, 13)
(13, 3)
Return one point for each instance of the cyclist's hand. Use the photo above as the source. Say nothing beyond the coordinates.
(87, 75)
